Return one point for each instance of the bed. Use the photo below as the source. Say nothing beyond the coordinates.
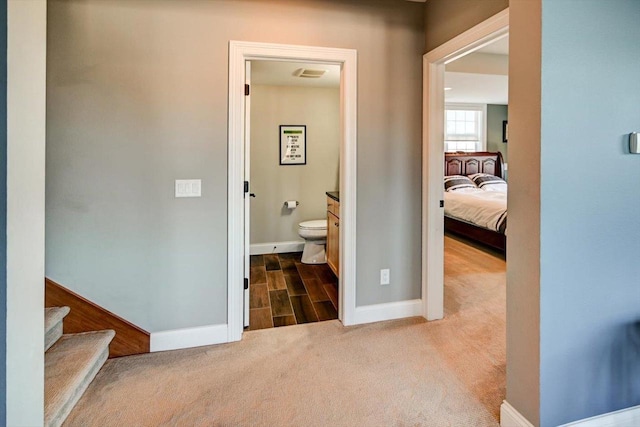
(476, 213)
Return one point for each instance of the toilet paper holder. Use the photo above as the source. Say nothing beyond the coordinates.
(291, 204)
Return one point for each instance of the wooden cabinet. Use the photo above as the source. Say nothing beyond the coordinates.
(333, 235)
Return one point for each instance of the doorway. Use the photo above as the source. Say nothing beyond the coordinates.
(292, 147)
(238, 249)
(474, 275)
(435, 61)
(476, 95)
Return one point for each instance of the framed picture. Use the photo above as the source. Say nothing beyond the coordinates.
(505, 131)
(293, 145)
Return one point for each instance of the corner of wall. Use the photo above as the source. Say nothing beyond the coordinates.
(3, 212)
(523, 250)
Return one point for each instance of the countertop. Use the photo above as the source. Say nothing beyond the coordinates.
(335, 195)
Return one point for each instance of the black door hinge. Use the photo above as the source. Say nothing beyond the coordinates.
(247, 90)
(246, 283)
(246, 186)
(442, 203)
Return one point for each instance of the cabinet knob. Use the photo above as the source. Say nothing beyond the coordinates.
(336, 224)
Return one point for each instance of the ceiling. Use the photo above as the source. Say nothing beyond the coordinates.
(278, 73)
(482, 79)
(476, 88)
(500, 47)
(474, 82)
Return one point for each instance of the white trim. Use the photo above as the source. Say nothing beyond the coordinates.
(628, 417)
(388, 311)
(434, 61)
(239, 52)
(188, 337)
(510, 417)
(276, 247)
(25, 79)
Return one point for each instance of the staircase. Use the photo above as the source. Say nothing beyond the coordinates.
(71, 362)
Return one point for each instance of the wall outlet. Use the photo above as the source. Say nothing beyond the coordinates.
(384, 276)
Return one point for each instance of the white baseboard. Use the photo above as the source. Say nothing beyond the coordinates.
(510, 417)
(188, 337)
(388, 311)
(276, 247)
(628, 417)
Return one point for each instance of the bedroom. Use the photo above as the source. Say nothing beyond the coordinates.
(475, 145)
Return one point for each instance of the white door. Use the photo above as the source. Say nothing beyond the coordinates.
(247, 194)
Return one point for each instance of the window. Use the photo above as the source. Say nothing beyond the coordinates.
(464, 127)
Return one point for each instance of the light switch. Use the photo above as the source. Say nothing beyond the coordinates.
(188, 187)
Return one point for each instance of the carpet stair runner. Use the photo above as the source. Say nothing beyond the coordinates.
(71, 363)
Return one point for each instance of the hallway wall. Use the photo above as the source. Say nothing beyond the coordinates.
(137, 96)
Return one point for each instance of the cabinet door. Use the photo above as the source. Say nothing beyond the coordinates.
(333, 242)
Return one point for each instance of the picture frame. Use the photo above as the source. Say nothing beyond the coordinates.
(505, 131)
(293, 145)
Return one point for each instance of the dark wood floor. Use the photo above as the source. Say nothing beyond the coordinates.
(283, 291)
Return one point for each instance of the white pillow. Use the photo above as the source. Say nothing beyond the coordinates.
(488, 182)
(458, 183)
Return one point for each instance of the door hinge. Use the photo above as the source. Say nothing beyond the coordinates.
(247, 90)
(442, 203)
(246, 283)
(246, 186)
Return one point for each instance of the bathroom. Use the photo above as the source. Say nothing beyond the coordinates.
(294, 170)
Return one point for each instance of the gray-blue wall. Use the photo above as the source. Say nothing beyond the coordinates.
(3, 211)
(590, 201)
(496, 114)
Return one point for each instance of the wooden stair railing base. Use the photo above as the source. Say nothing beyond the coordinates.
(87, 316)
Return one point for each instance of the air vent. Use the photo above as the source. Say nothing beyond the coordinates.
(309, 73)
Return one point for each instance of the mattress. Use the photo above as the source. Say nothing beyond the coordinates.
(486, 209)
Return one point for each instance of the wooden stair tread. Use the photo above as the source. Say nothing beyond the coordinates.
(70, 365)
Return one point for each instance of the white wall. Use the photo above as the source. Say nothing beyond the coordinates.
(26, 69)
(319, 110)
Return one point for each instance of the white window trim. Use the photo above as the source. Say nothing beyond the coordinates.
(474, 107)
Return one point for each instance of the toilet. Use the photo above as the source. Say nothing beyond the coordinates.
(314, 234)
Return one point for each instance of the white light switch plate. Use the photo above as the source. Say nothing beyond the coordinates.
(188, 187)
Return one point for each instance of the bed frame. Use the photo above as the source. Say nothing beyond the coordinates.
(465, 163)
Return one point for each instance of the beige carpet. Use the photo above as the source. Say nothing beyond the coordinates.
(399, 373)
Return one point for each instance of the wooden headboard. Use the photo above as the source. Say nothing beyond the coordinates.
(463, 163)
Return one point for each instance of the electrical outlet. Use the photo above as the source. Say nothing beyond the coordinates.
(384, 276)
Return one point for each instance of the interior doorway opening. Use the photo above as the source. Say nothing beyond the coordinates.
(474, 272)
(475, 146)
(238, 244)
(292, 158)
(435, 62)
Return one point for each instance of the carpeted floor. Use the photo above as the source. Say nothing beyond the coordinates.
(399, 373)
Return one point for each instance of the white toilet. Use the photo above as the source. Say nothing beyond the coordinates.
(314, 234)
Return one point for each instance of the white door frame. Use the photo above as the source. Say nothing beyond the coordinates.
(239, 52)
(434, 62)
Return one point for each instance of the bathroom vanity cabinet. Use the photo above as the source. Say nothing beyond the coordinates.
(333, 232)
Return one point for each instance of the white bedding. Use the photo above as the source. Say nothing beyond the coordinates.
(487, 209)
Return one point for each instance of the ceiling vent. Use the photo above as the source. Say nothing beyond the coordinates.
(309, 73)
